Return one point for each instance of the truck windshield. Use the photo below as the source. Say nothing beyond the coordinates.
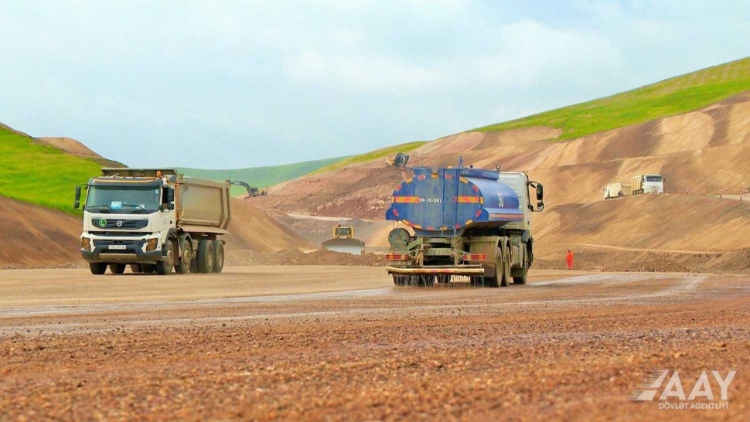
(653, 178)
(123, 199)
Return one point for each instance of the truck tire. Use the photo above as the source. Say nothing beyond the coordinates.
(218, 256)
(136, 268)
(426, 281)
(504, 276)
(166, 266)
(182, 265)
(117, 268)
(519, 277)
(97, 268)
(148, 268)
(205, 256)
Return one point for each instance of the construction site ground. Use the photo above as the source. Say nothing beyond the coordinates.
(342, 343)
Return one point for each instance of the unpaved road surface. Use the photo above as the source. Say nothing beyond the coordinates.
(341, 343)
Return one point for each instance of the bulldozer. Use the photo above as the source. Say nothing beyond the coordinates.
(343, 241)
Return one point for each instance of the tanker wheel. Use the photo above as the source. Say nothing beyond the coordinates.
(520, 276)
(165, 266)
(97, 268)
(183, 264)
(136, 268)
(506, 267)
(218, 256)
(205, 256)
(117, 268)
(148, 268)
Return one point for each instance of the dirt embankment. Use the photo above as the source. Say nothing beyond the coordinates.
(36, 237)
(74, 147)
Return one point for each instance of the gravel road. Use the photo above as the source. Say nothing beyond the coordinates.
(341, 343)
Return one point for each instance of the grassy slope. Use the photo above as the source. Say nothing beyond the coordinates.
(261, 177)
(666, 98)
(370, 156)
(40, 174)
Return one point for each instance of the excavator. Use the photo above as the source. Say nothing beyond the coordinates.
(343, 241)
(252, 191)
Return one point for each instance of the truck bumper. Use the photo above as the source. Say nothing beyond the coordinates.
(132, 254)
(470, 270)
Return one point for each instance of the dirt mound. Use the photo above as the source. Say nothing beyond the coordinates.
(252, 229)
(297, 257)
(36, 237)
(73, 147)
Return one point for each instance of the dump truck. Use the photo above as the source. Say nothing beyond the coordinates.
(613, 190)
(154, 220)
(647, 183)
(342, 240)
(469, 225)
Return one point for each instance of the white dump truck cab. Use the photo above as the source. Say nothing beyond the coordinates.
(647, 183)
(153, 220)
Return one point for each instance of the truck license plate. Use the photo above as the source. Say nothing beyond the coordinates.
(117, 247)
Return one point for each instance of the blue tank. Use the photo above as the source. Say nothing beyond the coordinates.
(443, 202)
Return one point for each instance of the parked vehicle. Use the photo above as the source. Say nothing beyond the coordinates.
(647, 183)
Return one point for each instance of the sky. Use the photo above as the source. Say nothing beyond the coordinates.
(233, 84)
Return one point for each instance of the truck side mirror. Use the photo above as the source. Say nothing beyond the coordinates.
(77, 202)
(539, 192)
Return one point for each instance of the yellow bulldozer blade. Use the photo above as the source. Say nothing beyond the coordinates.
(352, 246)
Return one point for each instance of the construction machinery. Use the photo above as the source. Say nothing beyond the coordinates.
(647, 183)
(252, 191)
(343, 240)
(470, 225)
(154, 220)
(613, 190)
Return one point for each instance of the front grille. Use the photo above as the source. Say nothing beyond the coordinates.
(108, 242)
(119, 224)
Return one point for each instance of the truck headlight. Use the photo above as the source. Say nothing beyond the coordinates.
(151, 244)
(86, 243)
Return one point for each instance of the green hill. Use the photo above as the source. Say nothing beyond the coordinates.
(370, 156)
(666, 98)
(40, 174)
(261, 177)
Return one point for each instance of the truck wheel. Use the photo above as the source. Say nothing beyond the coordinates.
(148, 268)
(218, 256)
(205, 256)
(165, 267)
(182, 265)
(520, 276)
(117, 268)
(136, 268)
(97, 268)
(505, 274)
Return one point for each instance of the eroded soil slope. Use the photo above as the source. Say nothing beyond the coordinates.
(39, 237)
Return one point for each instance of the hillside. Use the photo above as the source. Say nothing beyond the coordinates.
(261, 177)
(37, 173)
(666, 98)
(706, 148)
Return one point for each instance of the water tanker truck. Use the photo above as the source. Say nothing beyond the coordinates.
(154, 220)
(469, 224)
